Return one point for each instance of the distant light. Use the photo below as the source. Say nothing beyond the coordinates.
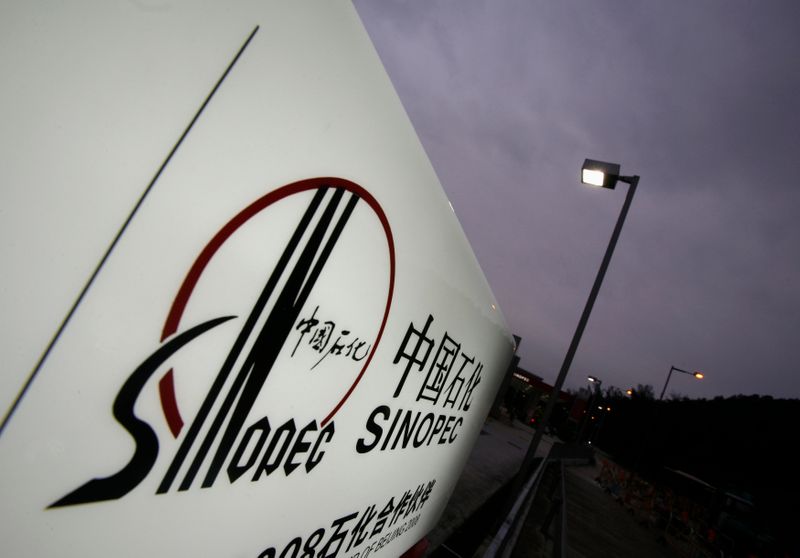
(608, 409)
(600, 407)
(593, 177)
(593, 379)
(629, 391)
(494, 307)
(699, 375)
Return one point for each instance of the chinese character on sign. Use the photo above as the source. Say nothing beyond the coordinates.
(361, 530)
(439, 370)
(454, 389)
(322, 336)
(305, 327)
(383, 517)
(417, 342)
(473, 382)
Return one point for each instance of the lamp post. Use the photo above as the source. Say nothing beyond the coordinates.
(604, 175)
(698, 375)
(654, 414)
(604, 411)
(589, 406)
(597, 383)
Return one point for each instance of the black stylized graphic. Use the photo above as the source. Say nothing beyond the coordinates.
(122, 482)
(277, 308)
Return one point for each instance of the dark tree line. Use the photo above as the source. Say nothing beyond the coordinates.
(746, 445)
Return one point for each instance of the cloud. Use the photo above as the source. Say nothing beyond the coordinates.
(700, 99)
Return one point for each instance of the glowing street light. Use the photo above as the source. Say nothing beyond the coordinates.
(697, 375)
(598, 173)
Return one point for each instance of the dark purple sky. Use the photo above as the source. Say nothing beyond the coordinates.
(701, 99)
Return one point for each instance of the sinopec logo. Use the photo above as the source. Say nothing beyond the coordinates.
(271, 331)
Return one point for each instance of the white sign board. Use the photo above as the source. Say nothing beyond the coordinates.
(239, 317)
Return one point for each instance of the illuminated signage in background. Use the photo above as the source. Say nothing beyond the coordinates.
(228, 342)
(519, 376)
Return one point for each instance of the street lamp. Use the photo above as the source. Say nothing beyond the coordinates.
(697, 375)
(605, 175)
(589, 406)
(594, 380)
(598, 173)
(604, 411)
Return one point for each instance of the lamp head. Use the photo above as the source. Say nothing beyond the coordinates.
(599, 173)
(699, 375)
